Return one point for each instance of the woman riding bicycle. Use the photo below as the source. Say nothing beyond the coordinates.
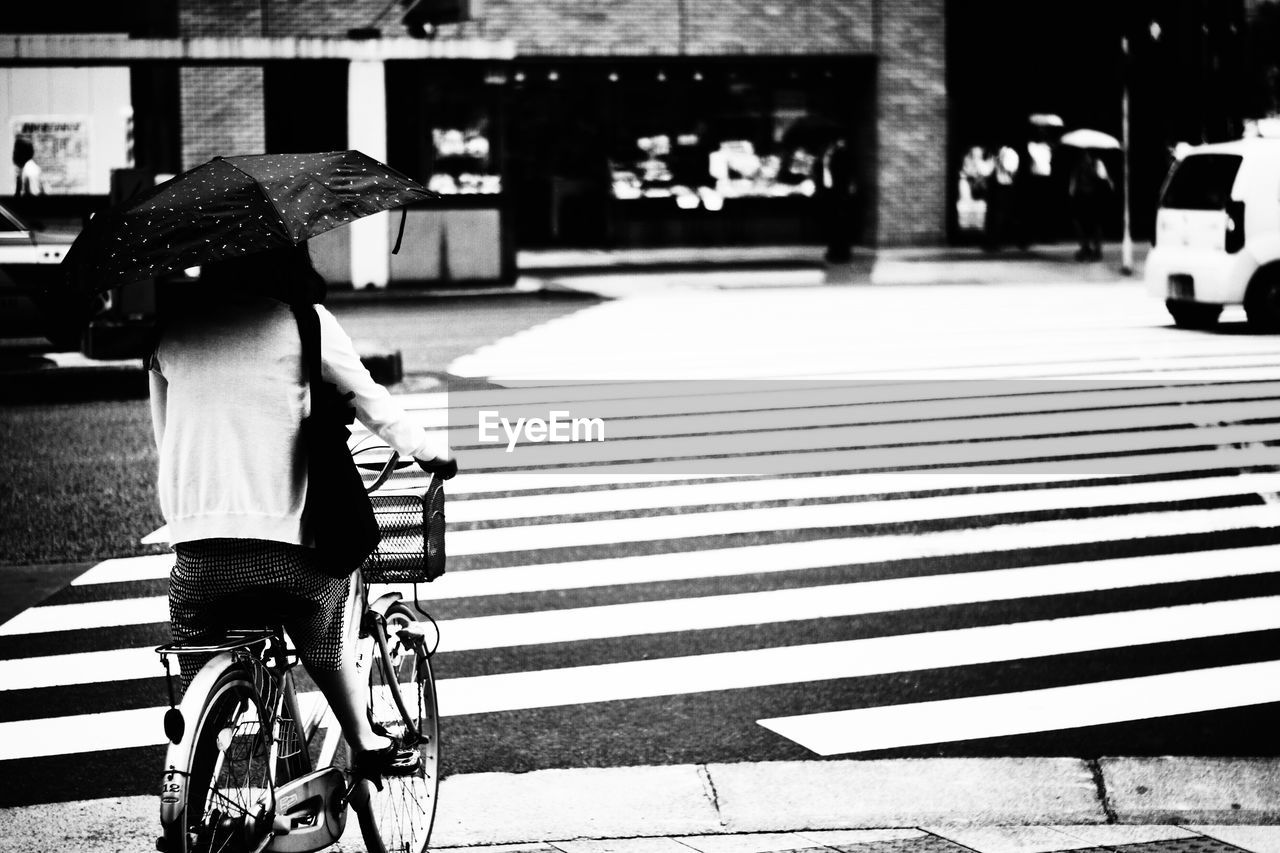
(228, 393)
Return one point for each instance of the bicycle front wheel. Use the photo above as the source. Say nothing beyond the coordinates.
(231, 792)
(402, 700)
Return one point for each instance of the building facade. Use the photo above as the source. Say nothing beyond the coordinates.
(587, 80)
(556, 123)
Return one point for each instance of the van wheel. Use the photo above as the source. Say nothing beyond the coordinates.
(1262, 304)
(1193, 315)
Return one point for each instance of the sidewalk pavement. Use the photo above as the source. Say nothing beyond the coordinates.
(28, 372)
(943, 805)
(760, 266)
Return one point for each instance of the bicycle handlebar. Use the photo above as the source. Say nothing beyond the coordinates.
(445, 470)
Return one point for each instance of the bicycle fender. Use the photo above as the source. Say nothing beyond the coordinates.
(383, 603)
(173, 780)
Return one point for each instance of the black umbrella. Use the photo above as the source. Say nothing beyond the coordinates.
(226, 208)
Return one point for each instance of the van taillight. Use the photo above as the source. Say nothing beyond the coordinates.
(1234, 240)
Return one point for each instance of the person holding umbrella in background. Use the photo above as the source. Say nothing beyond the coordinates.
(1089, 188)
(229, 391)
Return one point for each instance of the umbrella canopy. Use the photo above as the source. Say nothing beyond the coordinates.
(230, 207)
(1045, 120)
(1086, 138)
(226, 208)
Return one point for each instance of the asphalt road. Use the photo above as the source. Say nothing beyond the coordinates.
(998, 591)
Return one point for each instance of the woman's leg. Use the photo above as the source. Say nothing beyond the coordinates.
(345, 686)
(346, 691)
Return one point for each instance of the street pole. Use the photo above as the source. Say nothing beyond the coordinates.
(1126, 244)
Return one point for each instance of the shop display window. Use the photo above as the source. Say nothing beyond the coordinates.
(463, 162)
(760, 157)
(443, 126)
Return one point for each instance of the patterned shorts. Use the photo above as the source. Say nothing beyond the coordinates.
(213, 580)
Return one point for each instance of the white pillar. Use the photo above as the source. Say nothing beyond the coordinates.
(367, 133)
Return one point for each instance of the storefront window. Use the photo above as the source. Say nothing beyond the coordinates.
(443, 126)
(463, 161)
(693, 173)
(738, 140)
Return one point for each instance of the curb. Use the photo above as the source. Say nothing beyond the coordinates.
(484, 809)
(786, 796)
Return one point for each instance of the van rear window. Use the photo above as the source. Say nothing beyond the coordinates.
(1201, 182)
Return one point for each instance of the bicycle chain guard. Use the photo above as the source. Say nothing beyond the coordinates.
(311, 812)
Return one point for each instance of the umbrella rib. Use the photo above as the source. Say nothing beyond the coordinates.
(267, 195)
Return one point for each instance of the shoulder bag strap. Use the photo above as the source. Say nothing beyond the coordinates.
(309, 330)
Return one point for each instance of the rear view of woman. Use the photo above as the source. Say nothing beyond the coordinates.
(228, 394)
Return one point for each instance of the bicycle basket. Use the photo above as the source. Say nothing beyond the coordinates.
(412, 527)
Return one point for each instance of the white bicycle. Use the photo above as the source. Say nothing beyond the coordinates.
(246, 769)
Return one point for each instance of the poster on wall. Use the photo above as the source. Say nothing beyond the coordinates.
(61, 150)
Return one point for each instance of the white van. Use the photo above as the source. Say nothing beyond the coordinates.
(1217, 238)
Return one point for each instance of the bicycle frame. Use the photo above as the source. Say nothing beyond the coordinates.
(309, 809)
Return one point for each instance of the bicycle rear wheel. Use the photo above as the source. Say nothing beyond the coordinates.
(402, 700)
(231, 793)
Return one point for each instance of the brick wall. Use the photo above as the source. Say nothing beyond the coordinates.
(283, 17)
(559, 27)
(221, 112)
(912, 124)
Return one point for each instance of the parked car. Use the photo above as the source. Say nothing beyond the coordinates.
(28, 257)
(1217, 236)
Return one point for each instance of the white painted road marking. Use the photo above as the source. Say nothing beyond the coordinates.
(1050, 709)
(753, 668)
(721, 611)
(724, 562)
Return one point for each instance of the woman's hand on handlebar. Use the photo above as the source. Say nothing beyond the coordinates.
(445, 469)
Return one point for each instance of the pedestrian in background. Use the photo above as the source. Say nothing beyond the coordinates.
(30, 178)
(1036, 190)
(837, 190)
(1001, 189)
(971, 200)
(1088, 189)
(228, 394)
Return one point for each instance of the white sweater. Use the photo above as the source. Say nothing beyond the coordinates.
(227, 397)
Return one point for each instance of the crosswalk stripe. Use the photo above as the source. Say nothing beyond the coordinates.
(1237, 447)
(785, 454)
(900, 424)
(749, 559)
(1049, 709)
(745, 491)
(726, 670)
(722, 408)
(720, 611)
(845, 659)
(845, 514)
(685, 397)
(127, 569)
(750, 491)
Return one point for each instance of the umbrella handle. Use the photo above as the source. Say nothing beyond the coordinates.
(400, 235)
